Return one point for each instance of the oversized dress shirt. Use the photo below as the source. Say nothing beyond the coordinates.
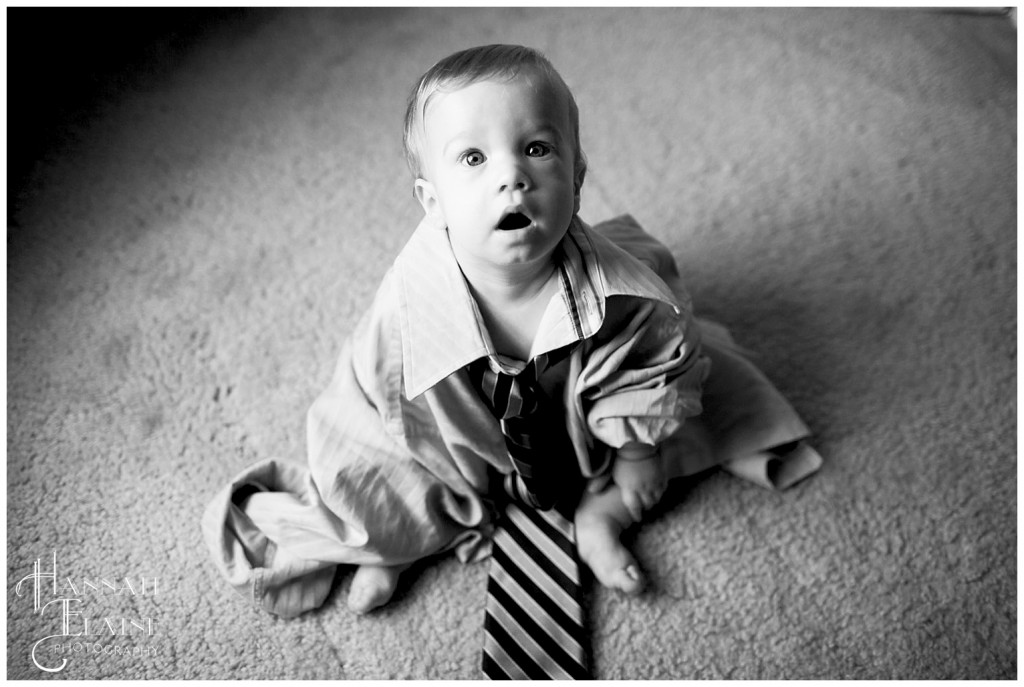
(402, 451)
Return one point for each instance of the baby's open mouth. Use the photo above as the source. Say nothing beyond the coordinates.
(514, 220)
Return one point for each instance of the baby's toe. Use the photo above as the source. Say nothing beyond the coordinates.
(614, 567)
(372, 587)
(628, 579)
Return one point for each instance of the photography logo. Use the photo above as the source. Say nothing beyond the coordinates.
(61, 602)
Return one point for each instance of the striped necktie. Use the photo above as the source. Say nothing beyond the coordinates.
(534, 619)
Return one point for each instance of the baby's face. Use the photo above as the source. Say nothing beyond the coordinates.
(498, 157)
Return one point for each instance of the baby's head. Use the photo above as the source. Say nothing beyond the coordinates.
(492, 137)
(488, 62)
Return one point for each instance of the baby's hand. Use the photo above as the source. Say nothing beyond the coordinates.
(638, 473)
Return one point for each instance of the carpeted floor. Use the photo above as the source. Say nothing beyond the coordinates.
(839, 187)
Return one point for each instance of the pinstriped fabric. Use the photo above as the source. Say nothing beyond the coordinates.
(441, 327)
(533, 624)
(578, 270)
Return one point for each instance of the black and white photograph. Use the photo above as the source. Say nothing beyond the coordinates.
(511, 342)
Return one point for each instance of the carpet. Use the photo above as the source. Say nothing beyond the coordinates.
(192, 244)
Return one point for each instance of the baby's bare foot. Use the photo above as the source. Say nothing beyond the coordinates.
(611, 562)
(372, 587)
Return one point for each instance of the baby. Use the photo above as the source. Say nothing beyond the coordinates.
(405, 455)
(492, 137)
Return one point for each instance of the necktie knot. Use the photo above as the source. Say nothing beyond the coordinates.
(533, 427)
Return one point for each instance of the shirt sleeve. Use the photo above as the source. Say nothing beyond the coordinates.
(643, 372)
(372, 493)
(399, 501)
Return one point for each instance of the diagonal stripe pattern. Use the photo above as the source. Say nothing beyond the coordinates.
(533, 624)
(534, 619)
(522, 409)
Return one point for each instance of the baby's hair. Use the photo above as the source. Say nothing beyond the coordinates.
(479, 64)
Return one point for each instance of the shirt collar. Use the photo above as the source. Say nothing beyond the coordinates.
(442, 330)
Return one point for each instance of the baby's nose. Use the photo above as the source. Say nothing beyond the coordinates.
(512, 177)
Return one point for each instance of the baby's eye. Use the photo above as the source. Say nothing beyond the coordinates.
(472, 158)
(537, 149)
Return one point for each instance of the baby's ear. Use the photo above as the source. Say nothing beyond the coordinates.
(578, 187)
(427, 197)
